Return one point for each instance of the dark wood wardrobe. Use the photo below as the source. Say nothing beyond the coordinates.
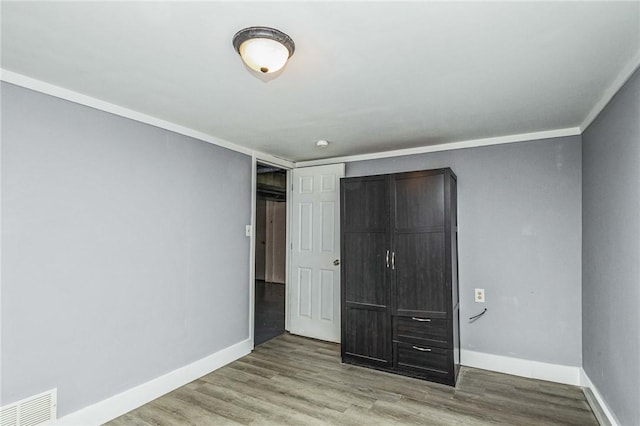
(400, 274)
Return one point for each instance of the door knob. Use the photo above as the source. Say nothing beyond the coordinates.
(336, 262)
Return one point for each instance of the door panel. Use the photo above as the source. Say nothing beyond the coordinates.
(304, 292)
(365, 204)
(314, 299)
(364, 268)
(327, 296)
(419, 273)
(418, 221)
(305, 226)
(418, 201)
(328, 223)
(366, 292)
(368, 335)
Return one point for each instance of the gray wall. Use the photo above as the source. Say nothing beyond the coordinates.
(124, 255)
(611, 252)
(519, 239)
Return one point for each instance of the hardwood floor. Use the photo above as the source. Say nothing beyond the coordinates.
(296, 381)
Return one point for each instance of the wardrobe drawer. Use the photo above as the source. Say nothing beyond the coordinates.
(424, 360)
(428, 331)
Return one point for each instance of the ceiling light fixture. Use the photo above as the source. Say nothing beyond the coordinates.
(263, 49)
(322, 143)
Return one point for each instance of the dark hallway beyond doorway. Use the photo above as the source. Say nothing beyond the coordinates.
(269, 318)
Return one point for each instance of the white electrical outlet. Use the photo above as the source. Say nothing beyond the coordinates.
(247, 230)
(479, 295)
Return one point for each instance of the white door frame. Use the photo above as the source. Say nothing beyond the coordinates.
(288, 166)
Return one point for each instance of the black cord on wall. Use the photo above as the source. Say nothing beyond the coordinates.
(475, 317)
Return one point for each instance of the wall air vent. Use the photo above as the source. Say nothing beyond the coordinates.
(31, 411)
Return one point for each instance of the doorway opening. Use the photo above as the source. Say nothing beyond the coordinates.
(270, 255)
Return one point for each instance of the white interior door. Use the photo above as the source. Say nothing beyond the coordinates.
(314, 296)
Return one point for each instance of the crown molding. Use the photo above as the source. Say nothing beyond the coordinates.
(79, 98)
(523, 137)
(611, 91)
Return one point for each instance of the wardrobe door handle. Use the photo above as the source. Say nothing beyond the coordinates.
(417, 348)
(387, 258)
(421, 319)
(393, 260)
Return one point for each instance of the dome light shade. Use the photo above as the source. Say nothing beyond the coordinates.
(263, 54)
(263, 49)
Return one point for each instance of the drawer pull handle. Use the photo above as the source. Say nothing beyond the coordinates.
(421, 349)
(421, 319)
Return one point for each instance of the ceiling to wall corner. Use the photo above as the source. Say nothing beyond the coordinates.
(367, 76)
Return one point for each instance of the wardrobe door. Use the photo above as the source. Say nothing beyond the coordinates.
(366, 324)
(418, 229)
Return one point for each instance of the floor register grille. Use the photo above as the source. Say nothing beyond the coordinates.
(32, 411)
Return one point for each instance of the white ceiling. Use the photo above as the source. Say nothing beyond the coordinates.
(367, 76)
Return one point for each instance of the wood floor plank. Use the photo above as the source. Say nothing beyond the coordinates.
(269, 411)
(218, 407)
(129, 420)
(304, 400)
(291, 380)
(189, 412)
(280, 396)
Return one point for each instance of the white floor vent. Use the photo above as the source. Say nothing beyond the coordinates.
(31, 411)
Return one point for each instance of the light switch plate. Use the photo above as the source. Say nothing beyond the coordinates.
(247, 230)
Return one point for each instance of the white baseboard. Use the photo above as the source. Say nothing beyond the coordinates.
(133, 398)
(522, 367)
(130, 399)
(586, 382)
